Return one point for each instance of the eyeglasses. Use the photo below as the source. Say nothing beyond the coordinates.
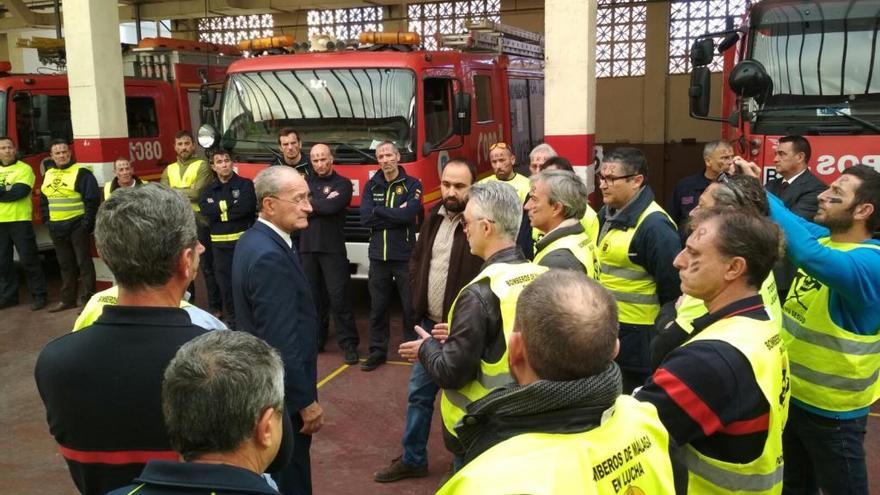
(464, 222)
(609, 179)
(297, 200)
(500, 144)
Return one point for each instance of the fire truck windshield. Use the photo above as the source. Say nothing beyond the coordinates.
(352, 109)
(824, 63)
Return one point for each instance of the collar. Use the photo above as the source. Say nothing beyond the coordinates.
(569, 226)
(791, 181)
(214, 477)
(232, 180)
(630, 213)
(189, 162)
(512, 177)
(510, 254)
(379, 177)
(144, 316)
(750, 307)
(284, 235)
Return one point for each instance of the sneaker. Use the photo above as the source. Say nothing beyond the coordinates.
(351, 356)
(373, 362)
(39, 303)
(399, 470)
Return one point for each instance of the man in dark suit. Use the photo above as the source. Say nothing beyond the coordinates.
(273, 300)
(798, 189)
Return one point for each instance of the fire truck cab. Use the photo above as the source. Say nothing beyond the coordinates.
(434, 105)
(797, 67)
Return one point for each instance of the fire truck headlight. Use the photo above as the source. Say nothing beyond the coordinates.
(207, 136)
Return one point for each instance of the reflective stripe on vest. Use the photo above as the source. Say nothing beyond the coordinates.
(631, 285)
(22, 209)
(579, 245)
(506, 281)
(186, 180)
(626, 454)
(65, 203)
(226, 237)
(692, 308)
(761, 343)
(832, 368)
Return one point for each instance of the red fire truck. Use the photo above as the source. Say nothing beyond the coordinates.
(435, 105)
(798, 67)
(163, 78)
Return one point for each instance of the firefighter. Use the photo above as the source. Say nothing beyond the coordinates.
(636, 245)
(502, 160)
(563, 427)
(16, 229)
(123, 177)
(555, 206)
(470, 359)
(69, 200)
(390, 206)
(322, 249)
(291, 152)
(723, 395)
(189, 176)
(229, 204)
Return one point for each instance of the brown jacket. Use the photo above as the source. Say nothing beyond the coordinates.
(463, 266)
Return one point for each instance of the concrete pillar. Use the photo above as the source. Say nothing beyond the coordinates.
(570, 81)
(94, 74)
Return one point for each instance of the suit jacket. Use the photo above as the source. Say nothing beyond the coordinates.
(273, 300)
(801, 197)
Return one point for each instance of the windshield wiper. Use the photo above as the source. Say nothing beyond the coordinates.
(272, 151)
(354, 148)
(827, 109)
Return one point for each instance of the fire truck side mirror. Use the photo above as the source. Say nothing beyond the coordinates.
(702, 52)
(207, 136)
(749, 79)
(700, 91)
(207, 96)
(462, 122)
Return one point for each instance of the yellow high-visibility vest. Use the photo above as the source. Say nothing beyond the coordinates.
(626, 454)
(65, 203)
(692, 308)
(186, 180)
(761, 343)
(20, 210)
(631, 285)
(579, 245)
(506, 280)
(831, 368)
(521, 183)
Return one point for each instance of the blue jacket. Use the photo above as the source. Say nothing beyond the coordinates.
(392, 225)
(193, 478)
(273, 300)
(241, 205)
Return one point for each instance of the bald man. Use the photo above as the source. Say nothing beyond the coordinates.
(322, 246)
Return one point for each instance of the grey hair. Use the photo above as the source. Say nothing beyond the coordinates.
(564, 316)
(711, 146)
(565, 188)
(141, 232)
(500, 203)
(542, 148)
(215, 390)
(268, 182)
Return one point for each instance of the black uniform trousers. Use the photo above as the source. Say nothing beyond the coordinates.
(21, 235)
(296, 477)
(222, 254)
(384, 276)
(330, 278)
(73, 250)
(206, 265)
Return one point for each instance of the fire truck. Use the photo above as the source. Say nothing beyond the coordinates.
(797, 67)
(162, 95)
(486, 86)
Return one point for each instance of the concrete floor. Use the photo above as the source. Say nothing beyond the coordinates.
(365, 414)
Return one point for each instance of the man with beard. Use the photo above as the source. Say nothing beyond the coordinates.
(189, 176)
(441, 264)
(832, 328)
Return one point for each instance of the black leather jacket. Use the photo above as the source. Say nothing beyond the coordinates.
(475, 331)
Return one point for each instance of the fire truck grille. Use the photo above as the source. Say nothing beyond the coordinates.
(354, 230)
